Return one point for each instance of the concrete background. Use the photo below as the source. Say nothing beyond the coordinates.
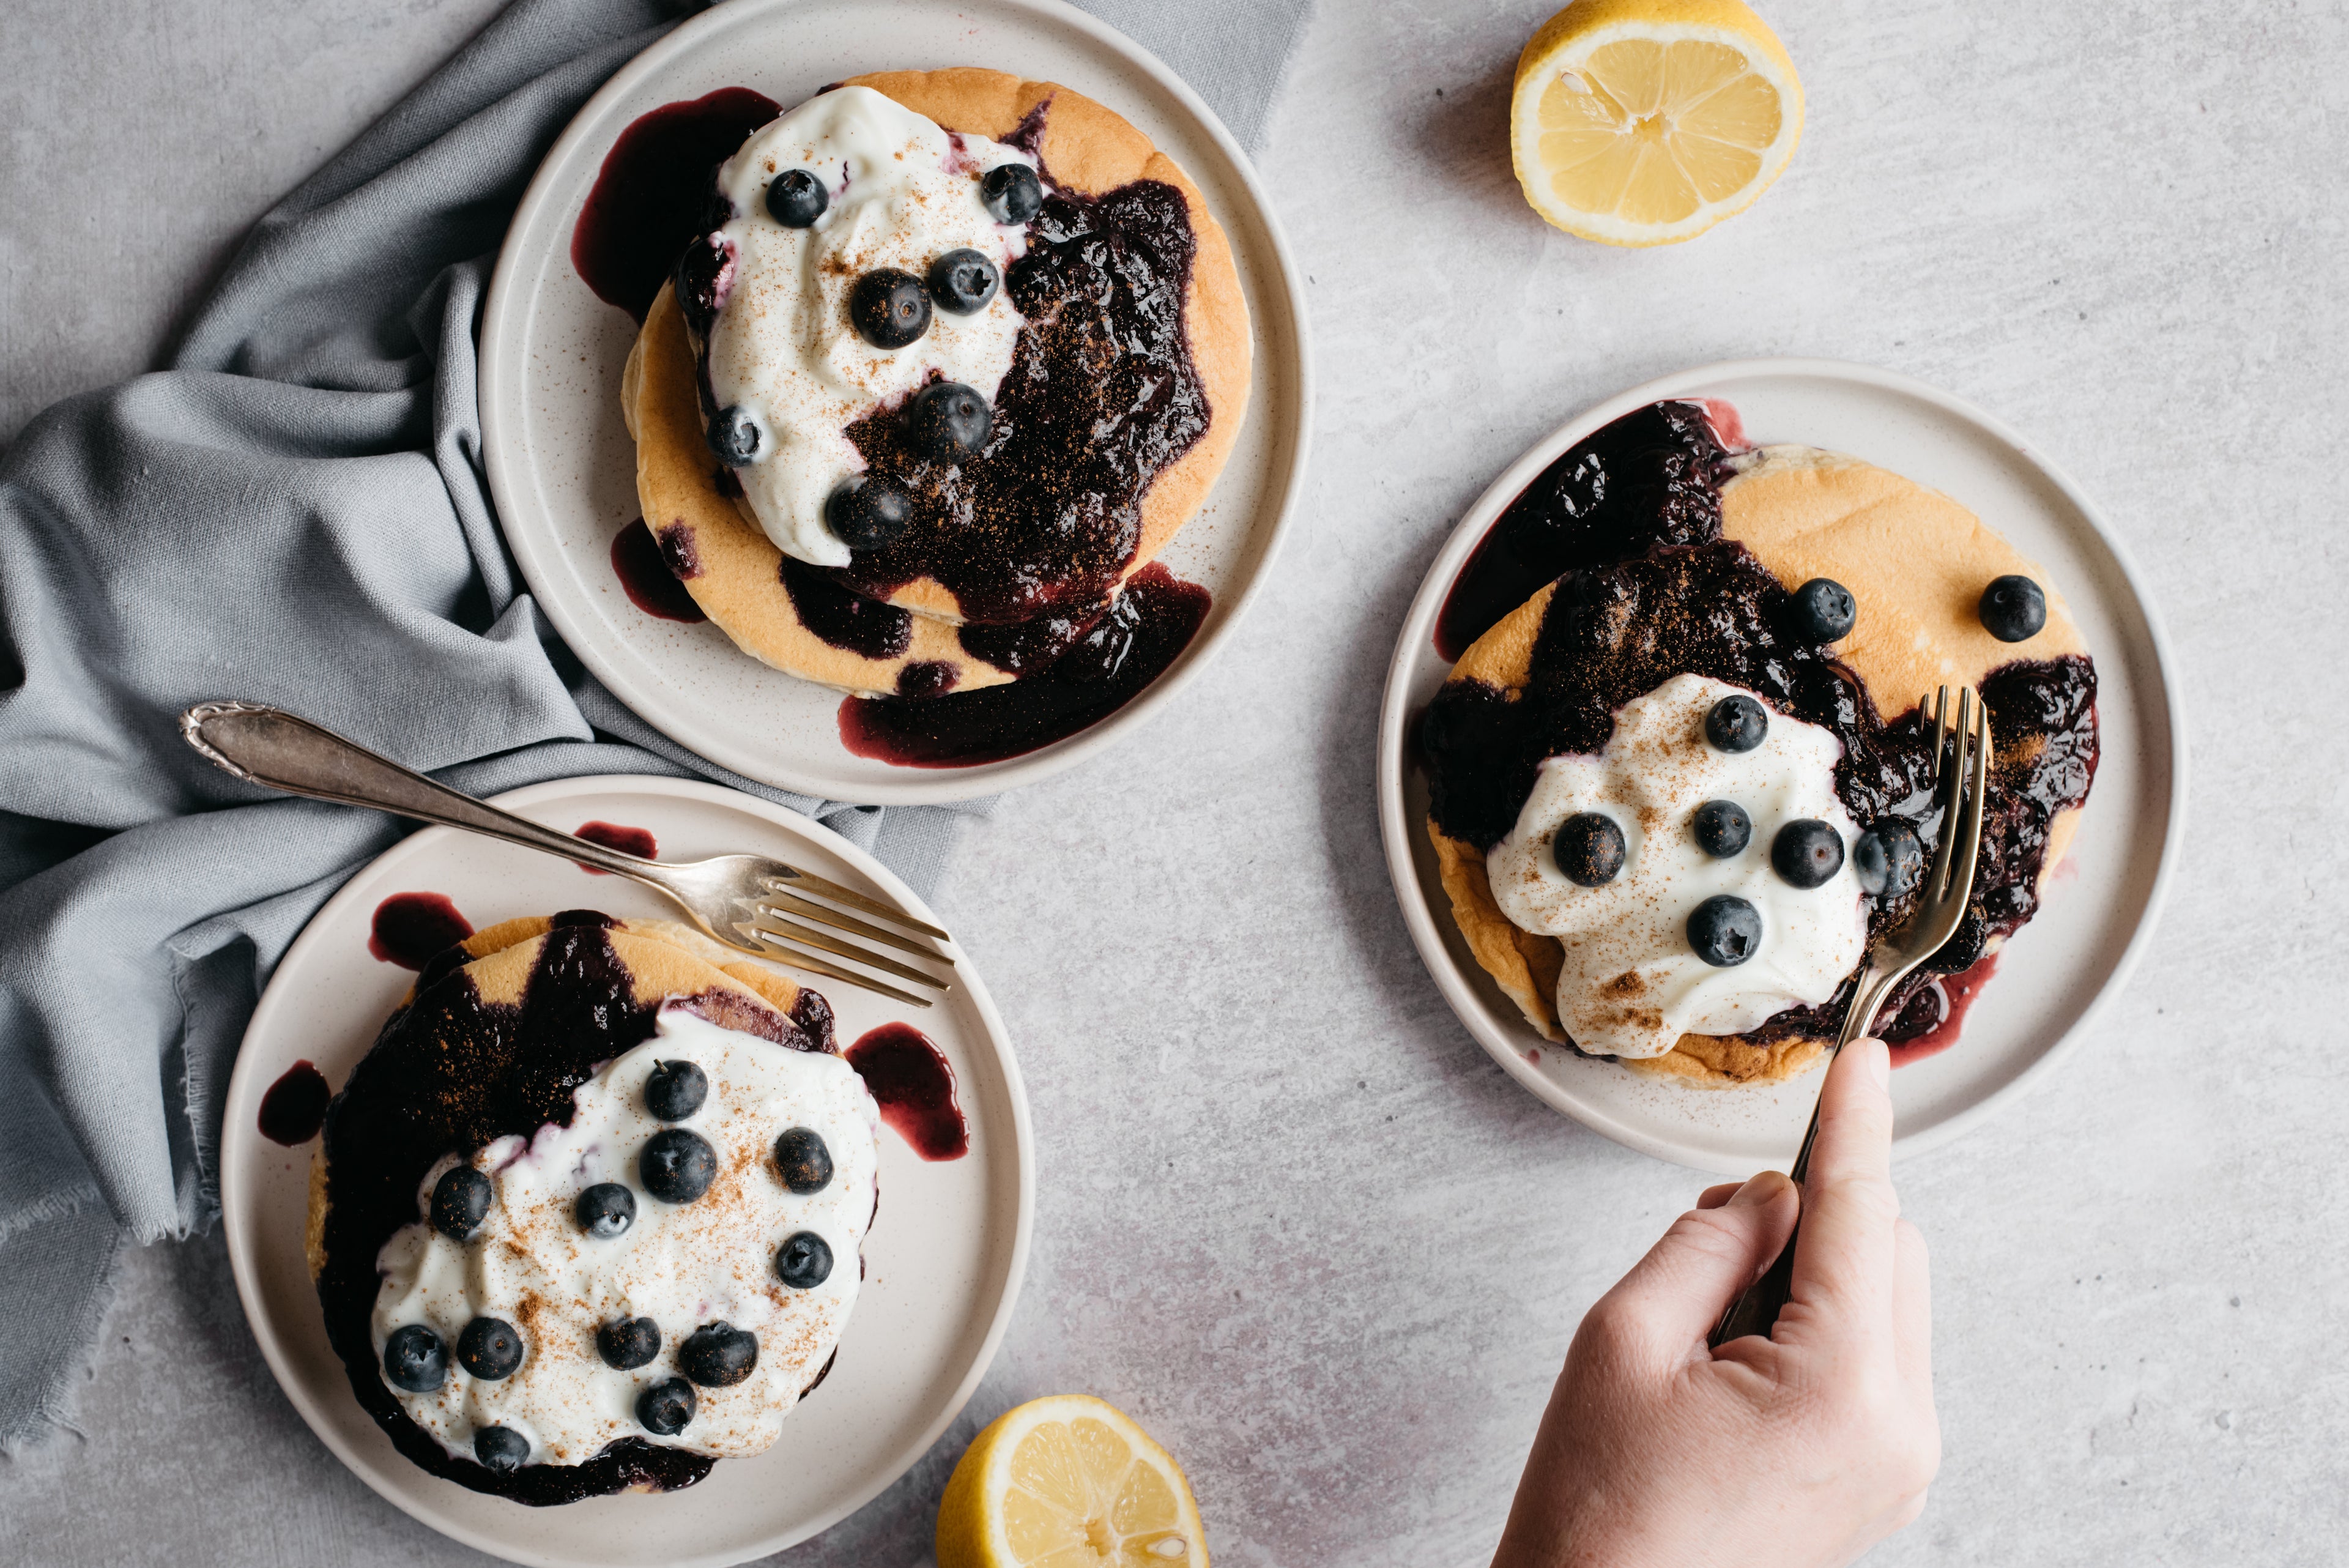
(1291, 1217)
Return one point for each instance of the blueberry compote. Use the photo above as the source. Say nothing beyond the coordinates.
(450, 1073)
(1651, 590)
(1153, 622)
(1650, 478)
(652, 195)
(1102, 398)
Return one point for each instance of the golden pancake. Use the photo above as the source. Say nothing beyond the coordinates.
(732, 569)
(657, 954)
(1917, 562)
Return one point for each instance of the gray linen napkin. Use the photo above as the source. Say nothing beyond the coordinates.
(294, 513)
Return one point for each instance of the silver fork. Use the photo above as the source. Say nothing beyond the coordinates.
(747, 901)
(1961, 756)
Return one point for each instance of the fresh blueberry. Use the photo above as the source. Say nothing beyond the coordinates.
(889, 308)
(805, 1163)
(1738, 723)
(735, 437)
(1888, 857)
(501, 1448)
(2013, 610)
(490, 1349)
(796, 198)
(717, 1354)
(948, 421)
(1725, 930)
(676, 1090)
(1806, 852)
(1722, 828)
(627, 1343)
(1588, 849)
(414, 1358)
(460, 1201)
(1013, 193)
(1823, 610)
(664, 1409)
(963, 281)
(804, 1261)
(678, 1165)
(868, 511)
(606, 1210)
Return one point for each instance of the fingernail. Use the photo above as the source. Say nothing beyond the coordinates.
(1763, 1188)
(1880, 1065)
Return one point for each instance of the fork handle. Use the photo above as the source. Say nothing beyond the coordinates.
(269, 746)
(1758, 1308)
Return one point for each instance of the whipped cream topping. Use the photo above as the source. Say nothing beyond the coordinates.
(903, 193)
(682, 1265)
(1631, 985)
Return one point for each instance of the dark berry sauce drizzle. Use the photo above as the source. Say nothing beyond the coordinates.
(914, 1085)
(637, 841)
(652, 570)
(450, 1073)
(843, 619)
(652, 195)
(410, 929)
(1153, 622)
(1647, 589)
(295, 1106)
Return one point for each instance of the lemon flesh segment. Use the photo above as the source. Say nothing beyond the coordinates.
(1642, 133)
(1067, 1482)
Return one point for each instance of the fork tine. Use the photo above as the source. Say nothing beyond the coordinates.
(1945, 777)
(1962, 877)
(823, 914)
(795, 880)
(808, 936)
(750, 940)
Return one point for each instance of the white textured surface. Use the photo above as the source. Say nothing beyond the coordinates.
(1269, 1155)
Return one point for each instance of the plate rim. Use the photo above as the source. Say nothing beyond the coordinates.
(1418, 626)
(505, 317)
(237, 1139)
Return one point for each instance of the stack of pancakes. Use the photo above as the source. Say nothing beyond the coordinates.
(725, 559)
(1915, 560)
(490, 1042)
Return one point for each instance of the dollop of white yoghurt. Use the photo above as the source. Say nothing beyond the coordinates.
(903, 193)
(1631, 985)
(682, 1265)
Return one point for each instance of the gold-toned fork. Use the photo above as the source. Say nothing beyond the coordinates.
(1961, 757)
(749, 902)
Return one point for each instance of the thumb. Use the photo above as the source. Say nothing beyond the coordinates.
(1673, 1297)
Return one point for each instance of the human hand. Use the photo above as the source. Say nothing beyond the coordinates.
(1801, 1451)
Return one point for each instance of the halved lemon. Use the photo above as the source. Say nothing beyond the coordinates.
(1640, 122)
(1067, 1482)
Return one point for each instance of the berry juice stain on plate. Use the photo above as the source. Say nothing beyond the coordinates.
(1915, 1035)
(649, 577)
(295, 1106)
(653, 194)
(1151, 623)
(410, 929)
(637, 841)
(915, 1088)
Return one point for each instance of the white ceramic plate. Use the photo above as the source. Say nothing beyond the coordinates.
(563, 469)
(943, 1262)
(2055, 973)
